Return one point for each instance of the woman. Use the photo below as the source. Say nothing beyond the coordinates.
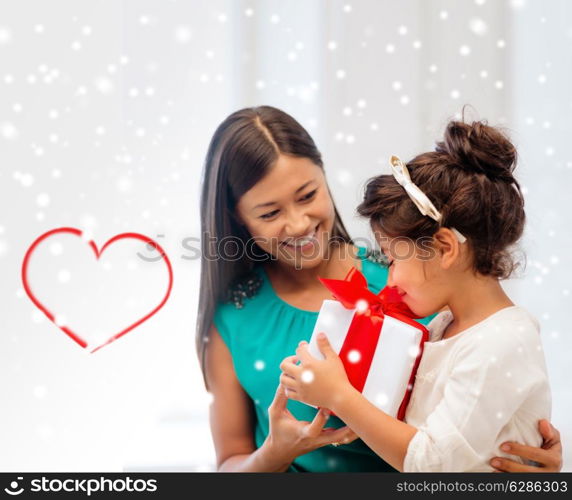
(269, 229)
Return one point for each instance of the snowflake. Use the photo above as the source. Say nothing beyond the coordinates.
(307, 376)
(9, 131)
(362, 306)
(344, 177)
(5, 36)
(64, 276)
(43, 200)
(354, 356)
(259, 365)
(60, 320)
(40, 391)
(381, 399)
(478, 26)
(104, 85)
(183, 34)
(56, 248)
(464, 50)
(413, 351)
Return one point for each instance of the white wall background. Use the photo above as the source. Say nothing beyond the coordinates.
(106, 110)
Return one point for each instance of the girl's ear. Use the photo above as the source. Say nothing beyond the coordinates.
(448, 247)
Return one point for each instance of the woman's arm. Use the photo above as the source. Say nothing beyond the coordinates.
(232, 422)
(231, 416)
(548, 457)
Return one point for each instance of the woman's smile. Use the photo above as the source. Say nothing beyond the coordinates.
(303, 243)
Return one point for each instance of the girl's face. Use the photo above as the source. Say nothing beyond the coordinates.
(415, 271)
(290, 213)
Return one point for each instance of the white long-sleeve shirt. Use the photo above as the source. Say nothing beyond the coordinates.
(473, 391)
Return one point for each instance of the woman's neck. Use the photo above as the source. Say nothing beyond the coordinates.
(475, 300)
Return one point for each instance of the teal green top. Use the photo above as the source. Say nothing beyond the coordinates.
(259, 336)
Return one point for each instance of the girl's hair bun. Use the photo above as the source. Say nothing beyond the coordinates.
(479, 148)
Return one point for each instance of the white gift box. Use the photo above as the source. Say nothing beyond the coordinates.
(395, 358)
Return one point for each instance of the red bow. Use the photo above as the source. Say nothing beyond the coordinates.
(365, 328)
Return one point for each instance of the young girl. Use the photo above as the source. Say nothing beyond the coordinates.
(446, 222)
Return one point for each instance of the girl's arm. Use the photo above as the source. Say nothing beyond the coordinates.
(485, 387)
(325, 384)
(385, 435)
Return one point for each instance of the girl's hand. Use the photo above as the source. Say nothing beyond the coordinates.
(549, 456)
(317, 382)
(288, 437)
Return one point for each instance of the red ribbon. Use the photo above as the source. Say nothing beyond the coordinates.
(365, 328)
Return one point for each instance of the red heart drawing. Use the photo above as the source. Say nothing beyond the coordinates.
(70, 230)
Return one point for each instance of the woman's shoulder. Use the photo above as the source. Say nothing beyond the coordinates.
(240, 304)
(373, 267)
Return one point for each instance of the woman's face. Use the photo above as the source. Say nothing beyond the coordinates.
(290, 213)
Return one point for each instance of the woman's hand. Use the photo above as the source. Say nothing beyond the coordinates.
(288, 437)
(548, 457)
(316, 382)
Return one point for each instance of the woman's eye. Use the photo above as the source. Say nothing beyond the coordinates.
(269, 215)
(308, 196)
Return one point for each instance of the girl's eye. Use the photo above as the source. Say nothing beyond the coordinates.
(269, 215)
(308, 196)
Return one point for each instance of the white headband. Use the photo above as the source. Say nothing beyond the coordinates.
(418, 197)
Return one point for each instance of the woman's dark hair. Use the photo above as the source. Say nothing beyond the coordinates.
(243, 150)
(469, 179)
